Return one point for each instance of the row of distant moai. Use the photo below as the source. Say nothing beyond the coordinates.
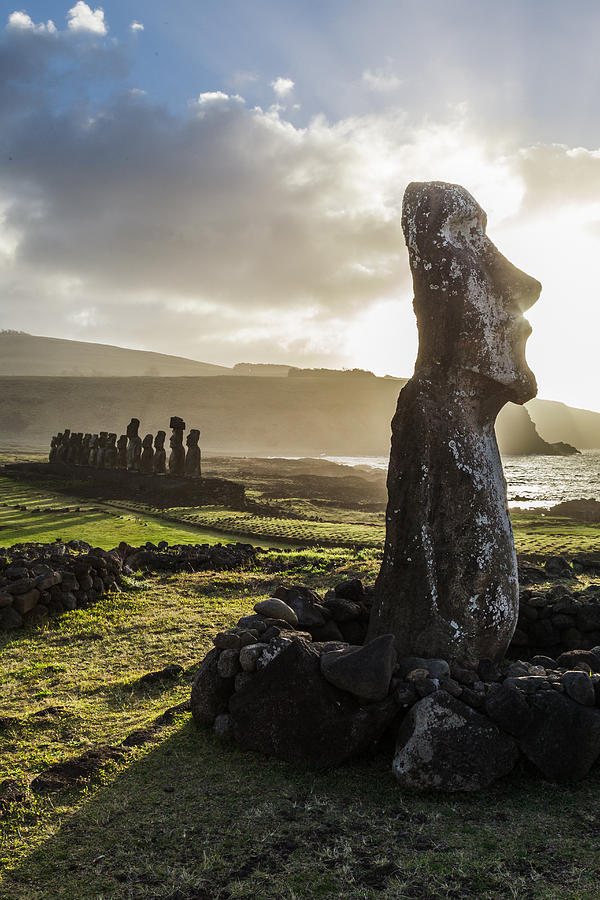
(130, 452)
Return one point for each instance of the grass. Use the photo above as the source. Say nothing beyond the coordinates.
(183, 818)
(44, 516)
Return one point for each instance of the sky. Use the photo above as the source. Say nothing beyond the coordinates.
(224, 180)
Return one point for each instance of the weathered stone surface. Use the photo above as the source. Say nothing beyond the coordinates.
(445, 745)
(249, 656)
(448, 581)
(23, 603)
(210, 692)
(289, 710)
(364, 671)
(563, 737)
(352, 589)
(10, 619)
(229, 664)
(437, 668)
(274, 608)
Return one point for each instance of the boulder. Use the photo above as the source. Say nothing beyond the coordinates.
(351, 589)
(445, 745)
(572, 658)
(289, 710)
(509, 709)
(210, 692)
(274, 608)
(365, 671)
(562, 738)
(306, 604)
(579, 687)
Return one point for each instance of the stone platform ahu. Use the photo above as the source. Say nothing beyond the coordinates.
(420, 658)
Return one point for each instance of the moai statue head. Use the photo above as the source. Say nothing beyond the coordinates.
(177, 455)
(470, 302)
(132, 428)
(147, 457)
(192, 457)
(159, 463)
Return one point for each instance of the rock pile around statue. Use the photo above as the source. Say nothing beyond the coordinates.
(291, 681)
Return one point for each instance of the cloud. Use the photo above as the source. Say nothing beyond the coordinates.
(82, 18)
(283, 87)
(21, 20)
(226, 231)
(136, 26)
(380, 80)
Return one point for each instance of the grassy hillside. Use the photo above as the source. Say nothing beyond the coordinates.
(249, 415)
(30, 354)
(559, 422)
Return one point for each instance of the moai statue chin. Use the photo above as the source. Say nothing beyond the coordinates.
(177, 455)
(134, 446)
(147, 457)
(193, 458)
(448, 580)
(159, 464)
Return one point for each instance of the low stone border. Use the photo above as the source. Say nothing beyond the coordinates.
(287, 682)
(42, 580)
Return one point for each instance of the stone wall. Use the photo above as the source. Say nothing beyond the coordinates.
(117, 484)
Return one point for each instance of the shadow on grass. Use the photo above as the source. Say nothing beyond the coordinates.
(192, 820)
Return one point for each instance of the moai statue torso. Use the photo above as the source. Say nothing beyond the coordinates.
(192, 457)
(159, 463)
(134, 446)
(448, 580)
(122, 452)
(147, 457)
(110, 452)
(177, 455)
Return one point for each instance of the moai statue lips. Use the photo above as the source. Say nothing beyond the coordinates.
(448, 581)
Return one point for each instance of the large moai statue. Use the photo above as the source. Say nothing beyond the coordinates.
(193, 457)
(177, 455)
(448, 580)
(54, 443)
(159, 464)
(63, 445)
(84, 453)
(110, 452)
(93, 454)
(122, 452)
(102, 442)
(147, 457)
(134, 446)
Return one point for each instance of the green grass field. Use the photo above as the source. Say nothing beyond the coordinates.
(183, 818)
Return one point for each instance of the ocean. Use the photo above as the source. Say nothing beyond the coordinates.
(532, 481)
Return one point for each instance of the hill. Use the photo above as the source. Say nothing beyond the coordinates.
(244, 415)
(559, 422)
(30, 354)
